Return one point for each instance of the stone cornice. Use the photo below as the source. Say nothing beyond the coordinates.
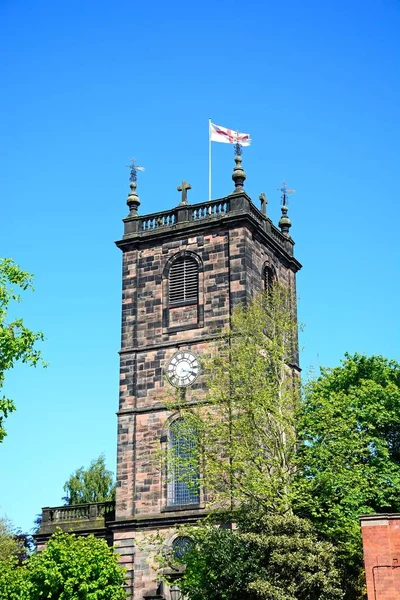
(43, 538)
(171, 344)
(155, 521)
(379, 518)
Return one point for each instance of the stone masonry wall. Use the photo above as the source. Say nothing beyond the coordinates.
(139, 555)
(231, 267)
(232, 270)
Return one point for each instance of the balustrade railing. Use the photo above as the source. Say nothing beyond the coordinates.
(278, 236)
(79, 512)
(195, 213)
(256, 213)
(151, 222)
(209, 209)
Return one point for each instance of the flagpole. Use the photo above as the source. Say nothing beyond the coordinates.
(209, 160)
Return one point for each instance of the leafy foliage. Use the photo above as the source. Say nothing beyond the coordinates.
(344, 460)
(267, 557)
(247, 455)
(17, 342)
(73, 567)
(95, 484)
(68, 568)
(14, 582)
(14, 548)
(350, 459)
(10, 545)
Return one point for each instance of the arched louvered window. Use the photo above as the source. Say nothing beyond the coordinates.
(183, 465)
(269, 278)
(183, 281)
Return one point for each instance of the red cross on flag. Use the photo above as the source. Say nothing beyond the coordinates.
(228, 136)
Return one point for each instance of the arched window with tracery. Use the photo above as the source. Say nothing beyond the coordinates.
(183, 474)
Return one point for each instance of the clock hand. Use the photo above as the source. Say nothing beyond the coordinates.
(189, 371)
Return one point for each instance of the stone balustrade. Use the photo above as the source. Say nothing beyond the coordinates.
(155, 221)
(191, 215)
(278, 236)
(77, 516)
(216, 208)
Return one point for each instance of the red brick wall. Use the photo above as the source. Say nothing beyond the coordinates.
(381, 543)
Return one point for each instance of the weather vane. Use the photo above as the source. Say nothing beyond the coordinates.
(238, 149)
(285, 193)
(134, 169)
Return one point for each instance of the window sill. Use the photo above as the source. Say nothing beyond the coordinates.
(177, 507)
(177, 328)
(182, 303)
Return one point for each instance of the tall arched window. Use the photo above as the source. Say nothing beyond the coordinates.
(269, 277)
(183, 465)
(183, 281)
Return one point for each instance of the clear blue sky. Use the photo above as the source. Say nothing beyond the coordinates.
(86, 85)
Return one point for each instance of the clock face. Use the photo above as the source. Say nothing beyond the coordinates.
(183, 369)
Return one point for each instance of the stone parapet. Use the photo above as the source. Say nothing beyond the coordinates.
(76, 517)
(191, 216)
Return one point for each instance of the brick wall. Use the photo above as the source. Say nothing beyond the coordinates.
(381, 544)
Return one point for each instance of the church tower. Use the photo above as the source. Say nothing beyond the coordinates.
(183, 271)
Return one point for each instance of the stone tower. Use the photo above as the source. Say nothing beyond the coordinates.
(183, 271)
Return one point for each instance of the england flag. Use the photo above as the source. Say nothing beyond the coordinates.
(228, 136)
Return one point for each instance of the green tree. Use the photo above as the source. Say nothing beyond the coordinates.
(10, 545)
(95, 484)
(13, 551)
(247, 460)
(350, 457)
(17, 342)
(344, 460)
(70, 567)
(250, 396)
(73, 567)
(267, 557)
(14, 582)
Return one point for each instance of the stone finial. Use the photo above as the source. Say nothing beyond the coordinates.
(238, 175)
(284, 222)
(133, 200)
